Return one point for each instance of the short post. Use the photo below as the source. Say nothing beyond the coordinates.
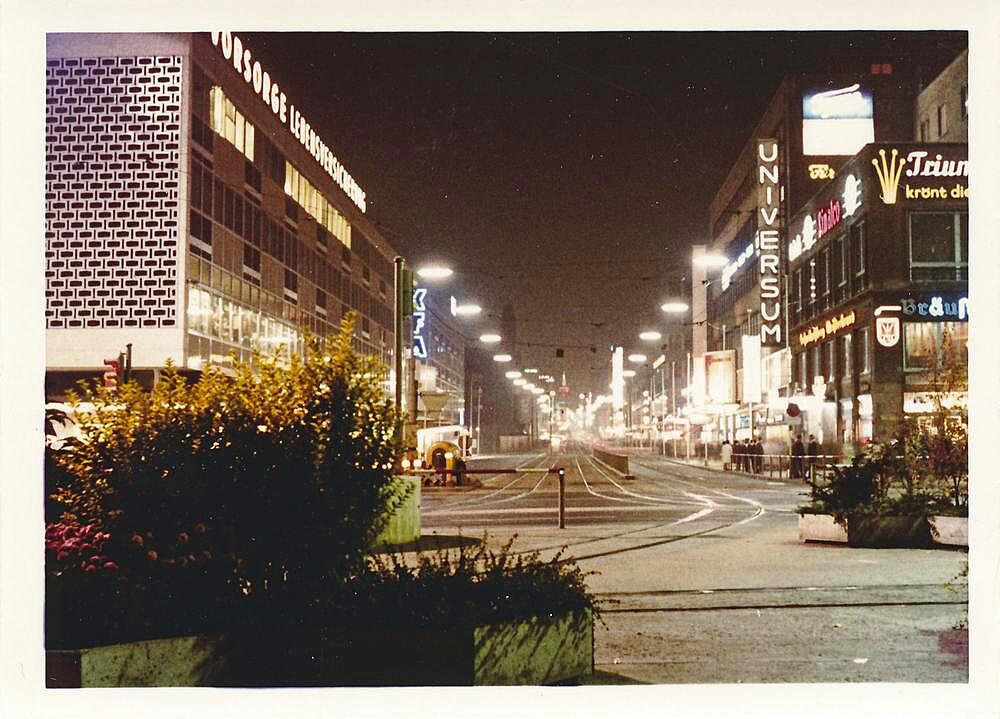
(562, 497)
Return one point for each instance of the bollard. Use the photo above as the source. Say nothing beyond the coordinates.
(562, 497)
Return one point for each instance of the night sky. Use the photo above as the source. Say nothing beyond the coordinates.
(567, 173)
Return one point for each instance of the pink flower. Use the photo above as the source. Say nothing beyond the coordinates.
(136, 539)
(62, 555)
(182, 537)
(200, 528)
(90, 568)
(110, 565)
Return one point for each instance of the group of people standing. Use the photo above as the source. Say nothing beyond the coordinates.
(748, 456)
(743, 455)
(803, 464)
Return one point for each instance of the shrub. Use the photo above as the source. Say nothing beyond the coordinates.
(473, 586)
(276, 479)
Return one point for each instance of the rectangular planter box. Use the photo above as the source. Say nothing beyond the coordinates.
(864, 531)
(530, 652)
(820, 528)
(950, 531)
(404, 524)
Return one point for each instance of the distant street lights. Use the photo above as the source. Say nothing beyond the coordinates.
(674, 307)
(434, 272)
(650, 336)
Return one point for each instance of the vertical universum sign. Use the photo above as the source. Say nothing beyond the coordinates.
(768, 241)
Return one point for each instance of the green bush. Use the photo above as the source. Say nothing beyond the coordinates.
(274, 480)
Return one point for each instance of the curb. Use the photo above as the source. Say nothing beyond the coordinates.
(612, 469)
(710, 468)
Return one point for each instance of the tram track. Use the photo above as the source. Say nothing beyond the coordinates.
(708, 506)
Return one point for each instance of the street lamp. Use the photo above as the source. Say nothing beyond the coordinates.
(637, 358)
(490, 338)
(502, 358)
(650, 336)
(710, 260)
(513, 374)
(674, 307)
(435, 272)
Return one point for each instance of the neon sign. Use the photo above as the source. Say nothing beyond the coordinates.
(732, 267)
(936, 307)
(889, 170)
(822, 330)
(270, 92)
(827, 218)
(768, 241)
(419, 322)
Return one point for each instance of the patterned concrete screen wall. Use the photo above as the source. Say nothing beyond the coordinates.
(112, 192)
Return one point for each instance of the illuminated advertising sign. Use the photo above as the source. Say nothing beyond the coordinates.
(233, 49)
(768, 241)
(733, 267)
(618, 379)
(751, 368)
(419, 322)
(720, 376)
(816, 225)
(935, 308)
(922, 174)
(837, 121)
(821, 330)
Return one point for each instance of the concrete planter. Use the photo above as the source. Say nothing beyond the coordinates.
(529, 652)
(821, 528)
(889, 531)
(404, 524)
(884, 531)
(950, 531)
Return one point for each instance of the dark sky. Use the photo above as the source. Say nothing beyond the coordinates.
(568, 173)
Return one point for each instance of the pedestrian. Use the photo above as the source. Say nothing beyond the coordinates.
(758, 455)
(812, 455)
(798, 449)
(738, 455)
(726, 453)
(748, 455)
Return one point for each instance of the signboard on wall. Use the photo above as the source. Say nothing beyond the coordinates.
(768, 241)
(922, 173)
(720, 376)
(837, 120)
(751, 368)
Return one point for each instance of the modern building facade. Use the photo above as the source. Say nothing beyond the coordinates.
(439, 351)
(743, 374)
(879, 291)
(193, 212)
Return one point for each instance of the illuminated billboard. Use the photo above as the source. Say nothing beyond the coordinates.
(837, 121)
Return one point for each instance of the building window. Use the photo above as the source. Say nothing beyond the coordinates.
(864, 351)
(939, 246)
(928, 345)
(312, 201)
(942, 120)
(823, 277)
(857, 263)
(964, 104)
(230, 123)
(847, 355)
(925, 130)
(251, 176)
(320, 302)
(291, 286)
(201, 134)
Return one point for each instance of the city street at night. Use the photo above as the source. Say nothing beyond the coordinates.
(555, 351)
(703, 578)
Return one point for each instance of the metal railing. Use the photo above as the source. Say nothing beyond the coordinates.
(808, 468)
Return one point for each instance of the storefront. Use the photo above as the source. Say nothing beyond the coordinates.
(878, 308)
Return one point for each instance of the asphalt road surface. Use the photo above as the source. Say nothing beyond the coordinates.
(702, 577)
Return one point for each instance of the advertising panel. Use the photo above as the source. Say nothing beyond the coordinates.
(837, 121)
(751, 368)
(768, 241)
(720, 376)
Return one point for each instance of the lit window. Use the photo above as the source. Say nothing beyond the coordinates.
(927, 345)
(942, 120)
(312, 201)
(229, 122)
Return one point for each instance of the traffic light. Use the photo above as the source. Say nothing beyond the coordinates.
(112, 373)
